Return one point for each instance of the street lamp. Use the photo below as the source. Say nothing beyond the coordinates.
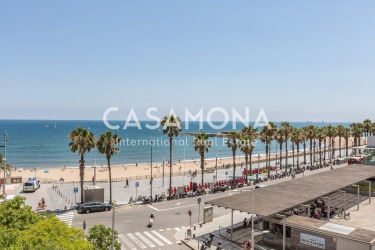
(163, 172)
(5, 158)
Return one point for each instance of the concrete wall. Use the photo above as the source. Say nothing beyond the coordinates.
(345, 244)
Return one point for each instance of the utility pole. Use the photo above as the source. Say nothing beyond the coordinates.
(5, 158)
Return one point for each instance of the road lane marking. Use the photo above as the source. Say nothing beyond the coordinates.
(135, 239)
(153, 238)
(161, 230)
(166, 209)
(177, 229)
(168, 229)
(162, 237)
(149, 243)
(127, 242)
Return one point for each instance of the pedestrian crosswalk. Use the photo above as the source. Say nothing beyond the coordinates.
(66, 217)
(146, 239)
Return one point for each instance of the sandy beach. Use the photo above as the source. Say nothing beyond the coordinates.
(143, 171)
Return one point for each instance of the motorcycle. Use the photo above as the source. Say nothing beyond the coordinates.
(150, 222)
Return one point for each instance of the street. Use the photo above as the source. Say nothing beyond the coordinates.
(170, 216)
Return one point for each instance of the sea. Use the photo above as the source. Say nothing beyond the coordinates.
(45, 143)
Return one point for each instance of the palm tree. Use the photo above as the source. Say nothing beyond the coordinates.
(266, 136)
(108, 144)
(272, 132)
(339, 132)
(252, 134)
(232, 143)
(81, 141)
(202, 145)
(346, 135)
(304, 137)
(357, 132)
(298, 138)
(287, 128)
(279, 137)
(171, 126)
(320, 135)
(8, 168)
(311, 130)
(247, 147)
(331, 134)
(367, 125)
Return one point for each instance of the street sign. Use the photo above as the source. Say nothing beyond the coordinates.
(75, 189)
(137, 184)
(190, 213)
(199, 201)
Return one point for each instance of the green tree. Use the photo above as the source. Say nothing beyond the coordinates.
(232, 143)
(8, 168)
(287, 129)
(367, 127)
(202, 145)
(81, 141)
(246, 145)
(279, 137)
(101, 237)
(346, 135)
(320, 135)
(311, 130)
(331, 134)
(172, 127)
(250, 133)
(52, 234)
(339, 132)
(298, 138)
(108, 144)
(266, 136)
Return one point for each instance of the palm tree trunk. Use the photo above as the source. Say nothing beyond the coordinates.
(347, 146)
(314, 150)
(251, 164)
(304, 152)
(325, 146)
(110, 179)
(266, 161)
(269, 155)
(286, 154)
(234, 165)
(82, 174)
(297, 154)
(293, 155)
(281, 153)
(202, 164)
(310, 152)
(333, 148)
(320, 152)
(340, 146)
(246, 162)
(170, 166)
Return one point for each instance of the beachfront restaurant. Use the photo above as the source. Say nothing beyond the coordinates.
(285, 230)
(366, 153)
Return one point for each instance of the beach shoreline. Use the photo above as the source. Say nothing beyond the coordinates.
(143, 171)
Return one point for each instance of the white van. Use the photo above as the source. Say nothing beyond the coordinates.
(31, 184)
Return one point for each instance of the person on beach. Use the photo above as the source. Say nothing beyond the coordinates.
(127, 182)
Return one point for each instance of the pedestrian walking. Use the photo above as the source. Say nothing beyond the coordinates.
(84, 225)
(127, 182)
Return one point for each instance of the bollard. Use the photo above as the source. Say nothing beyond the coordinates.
(65, 207)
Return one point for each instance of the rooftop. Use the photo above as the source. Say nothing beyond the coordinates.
(286, 195)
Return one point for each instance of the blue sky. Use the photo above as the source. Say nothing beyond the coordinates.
(298, 60)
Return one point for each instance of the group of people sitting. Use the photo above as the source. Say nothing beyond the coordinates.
(319, 209)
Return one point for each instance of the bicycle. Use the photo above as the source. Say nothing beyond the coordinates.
(41, 206)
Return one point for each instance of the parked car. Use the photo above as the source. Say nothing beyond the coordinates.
(89, 207)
